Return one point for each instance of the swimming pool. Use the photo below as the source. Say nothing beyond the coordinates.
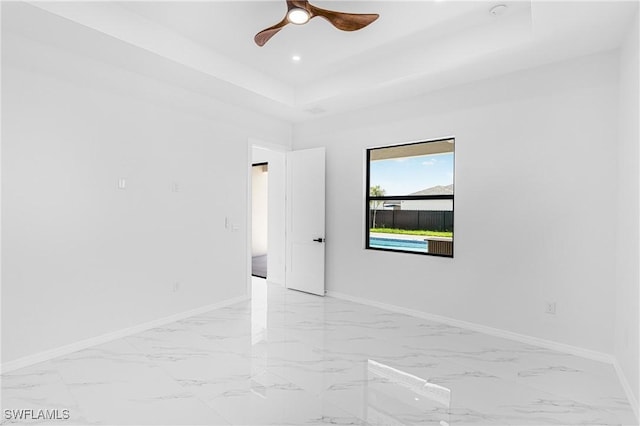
(392, 243)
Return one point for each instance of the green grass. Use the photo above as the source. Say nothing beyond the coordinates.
(413, 232)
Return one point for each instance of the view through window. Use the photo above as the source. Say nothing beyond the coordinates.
(410, 198)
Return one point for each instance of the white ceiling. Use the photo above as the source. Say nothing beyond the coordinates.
(230, 27)
(414, 47)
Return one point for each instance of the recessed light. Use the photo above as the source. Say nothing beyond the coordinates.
(498, 10)
(298, 16)
(296, 58)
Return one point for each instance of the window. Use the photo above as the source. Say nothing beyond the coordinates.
(410, 198)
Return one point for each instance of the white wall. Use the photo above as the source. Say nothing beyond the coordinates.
(628, 255)
(259, 210)
(80, 257)
(535, 181)
(276, 210)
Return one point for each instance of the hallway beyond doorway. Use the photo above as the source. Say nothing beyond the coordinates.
(259, 266)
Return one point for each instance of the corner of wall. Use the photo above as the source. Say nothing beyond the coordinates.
(627, 274)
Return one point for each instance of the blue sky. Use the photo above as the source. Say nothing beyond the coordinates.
(402, 176)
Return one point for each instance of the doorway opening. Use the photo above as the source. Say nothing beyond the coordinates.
(270, 169)
(259, 219)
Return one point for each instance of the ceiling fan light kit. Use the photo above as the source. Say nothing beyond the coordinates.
(301, 11)
(298, 16)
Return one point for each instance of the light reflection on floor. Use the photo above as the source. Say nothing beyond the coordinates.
(286, 357)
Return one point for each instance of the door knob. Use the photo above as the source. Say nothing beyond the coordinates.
(319, 240)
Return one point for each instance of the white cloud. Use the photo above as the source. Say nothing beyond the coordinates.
(429, 162)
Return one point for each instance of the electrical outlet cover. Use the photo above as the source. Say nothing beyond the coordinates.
(550, 308)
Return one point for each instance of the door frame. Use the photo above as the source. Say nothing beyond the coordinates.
(256, 143)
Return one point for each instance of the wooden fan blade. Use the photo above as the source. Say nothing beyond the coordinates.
(263, 36)
(300, 4)
(344, 21)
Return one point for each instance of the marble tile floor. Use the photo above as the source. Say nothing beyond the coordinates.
(288, 358)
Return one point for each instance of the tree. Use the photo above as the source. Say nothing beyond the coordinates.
(375, 191)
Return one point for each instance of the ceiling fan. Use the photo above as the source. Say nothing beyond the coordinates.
(301, 11)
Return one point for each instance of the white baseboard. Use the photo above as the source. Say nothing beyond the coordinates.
(549, 344)
(627, 389)
(107, 337)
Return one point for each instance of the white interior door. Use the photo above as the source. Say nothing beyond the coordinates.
(305, 229)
